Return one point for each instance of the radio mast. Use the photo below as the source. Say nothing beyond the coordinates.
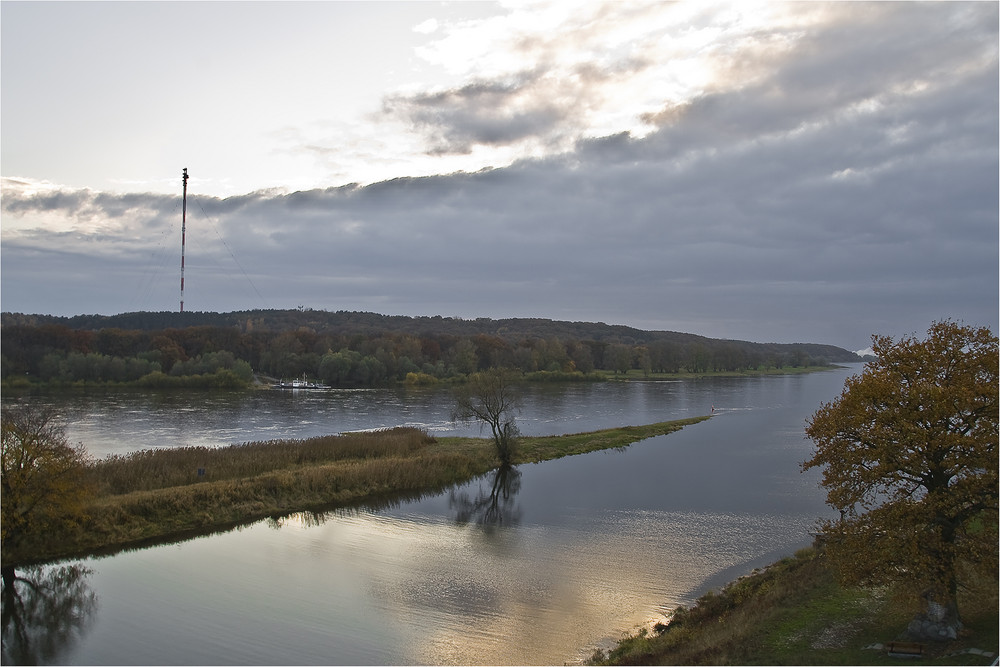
(184, 177)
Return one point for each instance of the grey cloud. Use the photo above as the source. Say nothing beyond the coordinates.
(68, 202)
(861, 53)
(543, 105)
(84, 204)
(778, 210)
(478, 113)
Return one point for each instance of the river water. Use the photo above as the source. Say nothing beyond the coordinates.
(567, 556)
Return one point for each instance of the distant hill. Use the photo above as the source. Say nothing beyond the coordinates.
(374, 324)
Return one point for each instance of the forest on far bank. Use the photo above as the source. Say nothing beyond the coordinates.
(352, 349)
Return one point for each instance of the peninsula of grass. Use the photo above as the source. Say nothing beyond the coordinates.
(163, 495)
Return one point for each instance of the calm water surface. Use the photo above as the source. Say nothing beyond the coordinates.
(118, 422)
(572, 553)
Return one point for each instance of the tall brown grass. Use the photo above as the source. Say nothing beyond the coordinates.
(141, 515)
(152, 469)
(156, 495)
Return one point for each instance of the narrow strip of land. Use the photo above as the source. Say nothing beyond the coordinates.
(165, 495)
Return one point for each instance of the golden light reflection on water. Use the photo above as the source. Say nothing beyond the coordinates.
(531, 594)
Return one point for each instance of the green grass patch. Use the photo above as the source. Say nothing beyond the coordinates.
(536, 449)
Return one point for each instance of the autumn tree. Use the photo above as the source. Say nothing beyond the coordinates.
(909, 458)
(493, 398)
(41, 475)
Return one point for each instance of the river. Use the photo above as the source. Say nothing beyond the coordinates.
(568, 556)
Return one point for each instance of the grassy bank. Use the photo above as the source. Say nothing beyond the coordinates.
(227, 380)
(796, 613)
(637, 374)
(162, 495)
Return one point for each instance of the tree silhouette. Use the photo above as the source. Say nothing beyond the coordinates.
(44, 611)
(493, 508)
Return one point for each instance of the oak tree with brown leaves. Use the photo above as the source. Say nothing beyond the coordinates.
(909, 458)
(42, 479)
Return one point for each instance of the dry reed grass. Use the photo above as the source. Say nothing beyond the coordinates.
(141, 515)
(158, 494)
(152, 469)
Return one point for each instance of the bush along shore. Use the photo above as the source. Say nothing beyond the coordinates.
(154, 496)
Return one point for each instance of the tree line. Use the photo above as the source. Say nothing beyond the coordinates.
(45, 349)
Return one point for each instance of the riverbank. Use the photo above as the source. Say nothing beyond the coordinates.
(226, 380)
(795, 612)
(640, 375)
(156, 496)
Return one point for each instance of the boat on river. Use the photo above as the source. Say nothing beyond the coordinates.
(300, 384)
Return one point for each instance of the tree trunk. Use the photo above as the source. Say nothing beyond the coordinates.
(941, 621)
(9, 576)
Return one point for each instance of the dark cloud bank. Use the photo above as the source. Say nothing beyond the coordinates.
(841, 192)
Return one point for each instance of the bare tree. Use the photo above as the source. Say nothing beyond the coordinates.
(492, 397)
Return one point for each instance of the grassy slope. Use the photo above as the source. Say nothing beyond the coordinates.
(247, 483)
(796, 613)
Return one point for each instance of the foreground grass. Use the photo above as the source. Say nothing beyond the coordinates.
(163, 495)
(796, 613)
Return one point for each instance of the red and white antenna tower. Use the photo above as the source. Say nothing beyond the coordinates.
(183, 231)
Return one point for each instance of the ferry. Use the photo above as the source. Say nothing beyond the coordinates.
(300, 384)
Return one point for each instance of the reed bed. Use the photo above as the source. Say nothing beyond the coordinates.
(357, 468)
(144, 515)
(152, 469)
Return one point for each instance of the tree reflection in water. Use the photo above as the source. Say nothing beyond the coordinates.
(493, 509)
(44, 610)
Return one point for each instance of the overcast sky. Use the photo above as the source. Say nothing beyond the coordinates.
(770, 172)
